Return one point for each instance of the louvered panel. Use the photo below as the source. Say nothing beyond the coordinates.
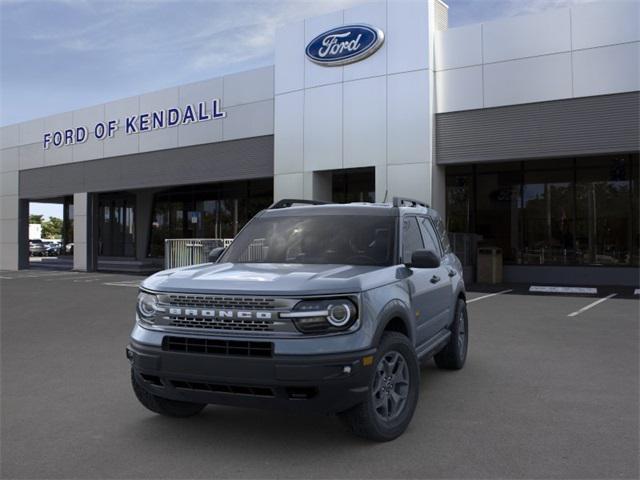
(581, 126)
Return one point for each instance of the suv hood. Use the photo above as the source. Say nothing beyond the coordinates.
(270, 279)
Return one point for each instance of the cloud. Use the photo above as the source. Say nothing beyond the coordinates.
(76, 53)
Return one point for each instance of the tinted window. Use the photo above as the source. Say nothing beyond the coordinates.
(411, 238)
(429, 235)
(316, 239)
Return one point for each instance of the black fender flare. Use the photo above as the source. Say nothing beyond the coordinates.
(394, 309)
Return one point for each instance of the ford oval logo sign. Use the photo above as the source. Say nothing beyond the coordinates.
(343, 45)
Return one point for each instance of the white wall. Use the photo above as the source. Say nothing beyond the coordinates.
(246, 97)
(589, 49)
(372, 113)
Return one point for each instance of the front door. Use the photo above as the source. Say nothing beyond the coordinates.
(427, 286)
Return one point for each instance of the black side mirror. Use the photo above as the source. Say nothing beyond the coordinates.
(424, 259)
(215, 253)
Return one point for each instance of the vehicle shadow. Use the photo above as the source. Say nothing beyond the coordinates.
(272, 430)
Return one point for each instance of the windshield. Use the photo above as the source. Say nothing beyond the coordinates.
(331, 239)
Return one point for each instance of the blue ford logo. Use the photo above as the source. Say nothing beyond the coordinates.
(343, 45)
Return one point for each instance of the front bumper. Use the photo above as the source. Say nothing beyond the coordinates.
(325, 383)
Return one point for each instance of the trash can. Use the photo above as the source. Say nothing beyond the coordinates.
(489, 265)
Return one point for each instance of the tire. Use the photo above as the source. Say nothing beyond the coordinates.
(454, 354)
(164, 406)
(368, 420)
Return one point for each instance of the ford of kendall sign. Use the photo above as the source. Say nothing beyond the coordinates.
(343, 45)
(139, 123)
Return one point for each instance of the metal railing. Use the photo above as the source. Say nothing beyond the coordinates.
(182, 252)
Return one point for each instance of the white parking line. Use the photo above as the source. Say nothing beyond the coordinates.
(488, 296)
(591, 305)
(129, 283)
(48, 274)
(547, 289)
(89, 279)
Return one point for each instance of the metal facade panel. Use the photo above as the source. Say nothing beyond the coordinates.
(215, 162)
(571, 127)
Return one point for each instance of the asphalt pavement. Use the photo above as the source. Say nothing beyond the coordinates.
(543, 395)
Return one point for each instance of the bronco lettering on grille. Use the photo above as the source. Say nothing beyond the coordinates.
(235, 314)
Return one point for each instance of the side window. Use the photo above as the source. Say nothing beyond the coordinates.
(429, 235)
(411, 238)
(444, 238)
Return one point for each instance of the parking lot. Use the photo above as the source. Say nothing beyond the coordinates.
(550, 390)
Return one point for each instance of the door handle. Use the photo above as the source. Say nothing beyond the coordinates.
(435, 279)
(452, 273)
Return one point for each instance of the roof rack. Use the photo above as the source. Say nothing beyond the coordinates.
(408, 202)
(290, 202)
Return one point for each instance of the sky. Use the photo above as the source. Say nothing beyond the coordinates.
(61, 55)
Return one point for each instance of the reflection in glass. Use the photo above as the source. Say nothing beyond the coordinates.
(354, 185)
(116, 225)
(548, 230)
(217, 210)
(581, 211)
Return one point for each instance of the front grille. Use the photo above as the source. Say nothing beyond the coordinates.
(222, 324)
(223, 302)
(232, 389)
(217, 347)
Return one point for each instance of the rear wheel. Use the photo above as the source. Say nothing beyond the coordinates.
(164, 406)
(393, 392)
(454, 354)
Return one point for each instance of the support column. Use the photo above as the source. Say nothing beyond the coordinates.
(84, 232)
(23, 234)
(318, 186)
(9, 242)
(438, 189)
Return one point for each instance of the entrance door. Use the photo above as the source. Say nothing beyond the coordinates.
(116, 225)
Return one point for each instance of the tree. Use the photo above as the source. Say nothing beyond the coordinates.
(52, 228)
(36, 219)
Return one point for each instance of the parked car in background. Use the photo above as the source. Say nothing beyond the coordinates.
(37, 248)
(53, 249)
(68, 248)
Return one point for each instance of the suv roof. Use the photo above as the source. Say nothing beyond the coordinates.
(398, 206)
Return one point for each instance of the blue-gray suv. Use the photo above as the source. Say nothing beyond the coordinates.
(325, 308)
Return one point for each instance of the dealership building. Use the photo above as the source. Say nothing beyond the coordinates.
(523, 132)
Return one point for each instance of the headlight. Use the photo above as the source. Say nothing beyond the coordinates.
(323, 315)
(147, 306)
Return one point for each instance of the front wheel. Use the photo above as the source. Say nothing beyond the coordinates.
(454, 354)
(164, 406)
(393, 392)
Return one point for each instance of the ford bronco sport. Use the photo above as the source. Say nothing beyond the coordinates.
(317, 307)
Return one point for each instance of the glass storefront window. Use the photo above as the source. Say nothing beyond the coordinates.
(603, 198)
(498, 205)
(548, 221)
(460, 199)
(116, 225)
(634, 161)
(355, 185)
(569, 211)
(206, 211)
